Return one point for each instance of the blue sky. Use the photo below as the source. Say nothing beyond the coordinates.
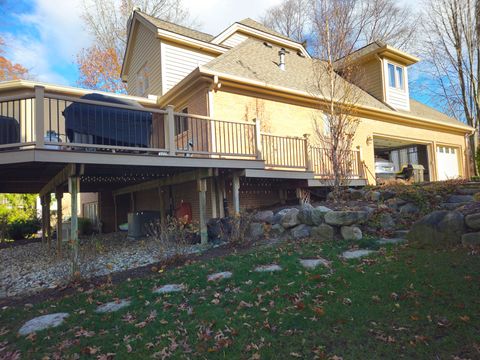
(46, 35)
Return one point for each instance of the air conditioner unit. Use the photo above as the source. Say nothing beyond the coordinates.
(138, 221)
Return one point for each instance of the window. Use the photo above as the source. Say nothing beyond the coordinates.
(143, 80)
(395, 76)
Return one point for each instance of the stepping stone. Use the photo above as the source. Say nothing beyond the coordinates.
(113, 306)
(42, 323)
(169, 288)
(391, 241)
(268, 268)
(355, 254)
(313, 263)
(220, 276)
(401, 234)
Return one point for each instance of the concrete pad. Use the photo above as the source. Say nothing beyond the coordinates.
(313, 263)
(268, 268)
(220, 276)
(355, 254)
(42, 322)
(391, 241)
(112, 306)
(169, 288)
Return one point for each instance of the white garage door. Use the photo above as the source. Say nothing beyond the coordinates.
(447, 163)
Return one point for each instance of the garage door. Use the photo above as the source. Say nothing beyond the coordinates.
(447, 163)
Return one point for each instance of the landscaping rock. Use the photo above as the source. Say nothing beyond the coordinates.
(256, 231)
(42, 322)
(277, 218)
(113, 306)
(409, 208)
(438, 228)
(318, 215)
(374, 196)
(305, 214)
(341, 218)
(264, 216)
(386, 221)
(219, 276)
(476, 196)
(460, 199)
(391, 241)
(169, 288)
(314, 263)
(351, 233)
(452, 206)
(356, 194)
(387, 195)
(323, 232)
(268, 268)
(473, 221)
(355, 254)
(290, 219)
(402, 234)
(277, 230)
(301, 231)
(471, 239)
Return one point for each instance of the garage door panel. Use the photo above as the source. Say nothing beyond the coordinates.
(447, 163)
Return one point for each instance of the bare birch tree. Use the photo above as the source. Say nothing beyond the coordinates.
(335, 128)
(452, 51)
(367, 20)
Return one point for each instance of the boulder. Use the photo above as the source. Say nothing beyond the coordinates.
(471, 239)
(323, 208)
(305, 214)
(374, 196)
(279, 216)
(356, 194)
(113, 306)
(277, 230)
(460, 199)
(323, 232)
(476, 196)
(438, 228)
(256, 230)
(473, 221)
(409, 208)
(290, 219)
(42, 322)
(264, 216)
(341, 218)
(452, 206)
(386, 221)
(301, 231)
(387, 195)
(318, 215)
(351, 233)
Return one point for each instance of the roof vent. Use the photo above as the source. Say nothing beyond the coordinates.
(281, 64)
(267, 44)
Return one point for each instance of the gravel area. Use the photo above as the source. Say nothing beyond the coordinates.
(30, 268)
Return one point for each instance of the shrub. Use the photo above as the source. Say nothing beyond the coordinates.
(236, 230)
(85, 226)
(22, 228)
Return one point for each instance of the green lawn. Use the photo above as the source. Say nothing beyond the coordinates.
(401, 302)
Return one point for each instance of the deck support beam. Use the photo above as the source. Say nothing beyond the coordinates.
(59, 196)
(202, 201)
(74, 188)
(48, 227)
(44, 222)
(236, 193)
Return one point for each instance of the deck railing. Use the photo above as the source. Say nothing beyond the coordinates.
(56, 121)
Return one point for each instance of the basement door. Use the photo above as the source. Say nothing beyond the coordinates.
(447, 163)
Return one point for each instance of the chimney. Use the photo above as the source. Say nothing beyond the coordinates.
(281, 64)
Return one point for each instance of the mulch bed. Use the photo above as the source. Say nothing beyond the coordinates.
(10, 244)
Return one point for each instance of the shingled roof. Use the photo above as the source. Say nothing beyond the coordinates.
(256, 61)
(259, 26)
(175, 28)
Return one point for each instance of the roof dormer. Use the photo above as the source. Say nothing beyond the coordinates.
(382, 71)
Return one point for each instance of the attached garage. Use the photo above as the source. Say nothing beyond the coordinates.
(447, 163)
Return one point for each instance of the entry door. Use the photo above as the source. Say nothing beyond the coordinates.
(447, 163)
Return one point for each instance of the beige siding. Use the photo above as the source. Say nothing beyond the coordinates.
(234, 40)
(146, 51)
(178, 62)
(369, 78)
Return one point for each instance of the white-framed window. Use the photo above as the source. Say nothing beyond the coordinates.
(143, 80)
(396, 77)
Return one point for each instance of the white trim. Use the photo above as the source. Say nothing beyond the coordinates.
(162, 67)
(201, 45)
(279, 174)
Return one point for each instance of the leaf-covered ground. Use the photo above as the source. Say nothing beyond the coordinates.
(398, 303)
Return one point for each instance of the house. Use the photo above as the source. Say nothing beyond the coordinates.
(213, 124)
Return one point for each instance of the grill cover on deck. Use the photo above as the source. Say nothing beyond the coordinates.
(9, 130)
(104, 125)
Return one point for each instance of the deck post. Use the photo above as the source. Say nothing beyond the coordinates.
(361, 172)
(213, 197)
(44, 228)
(202, 201)
(59, 196)
(115, 220)
(161, 200)
(170, 131)
(258, 139)
(39, 116)
(220, 195)
(74, 187)
(308, 157)
(48, 200)
(236, 193)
